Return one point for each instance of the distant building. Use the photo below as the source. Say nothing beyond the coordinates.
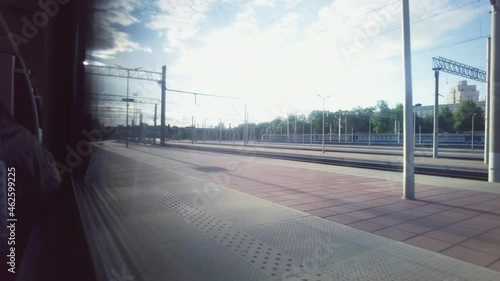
(426, 110)
(459, 93)
(463, 92)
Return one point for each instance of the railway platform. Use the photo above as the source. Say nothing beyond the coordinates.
(175, 214)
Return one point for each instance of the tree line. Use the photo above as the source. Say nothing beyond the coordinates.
(380, 119)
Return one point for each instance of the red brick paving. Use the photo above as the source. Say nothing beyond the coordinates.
(472, 256)
(429, 243)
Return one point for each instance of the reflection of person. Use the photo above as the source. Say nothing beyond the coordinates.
(36, 179)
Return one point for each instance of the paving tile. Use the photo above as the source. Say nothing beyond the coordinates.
(343, 219)
(469, 255)
(367, 226)
(304, 207)
(378, 211)
(341, 209)
(401, 217)
(484, 206)
(495, 266)
(462, 212)
(427, 209)
(358, 206)
(479, 223)
(446, 236)
(385, 221)
(306, 200)
(482, 246)
(426, 222)
(461, 230)
(491, 216)
(395, 234)
(323, 204)
(417, 229)
(429, 243)
(362, 215)
(443, 218)
(293, 196)
(288, 203)
(490, 237)
(322, 213)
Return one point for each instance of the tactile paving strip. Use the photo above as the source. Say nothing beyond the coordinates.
(261, 256)
(267, 259)
(205, 222)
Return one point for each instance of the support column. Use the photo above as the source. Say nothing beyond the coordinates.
(435, 140)
(163, 103)
(494, 141)
(487, 102)
(408, 153)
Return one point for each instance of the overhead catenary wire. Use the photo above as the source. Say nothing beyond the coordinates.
(384, 31)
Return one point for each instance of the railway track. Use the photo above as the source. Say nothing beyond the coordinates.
(394, 151)
(468, 174)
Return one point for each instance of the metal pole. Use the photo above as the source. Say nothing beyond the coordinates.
(245, 128)
(330, 133)
(340, 128)
(295, 131)
(303, 139)
(345, 129)
(311, 132)
(287, 129)
(126, 131)
(370, 132)
(435, 134)
(494, 141)
(323, 137)
(419, 134)
(409, 168)
(399, 131)
(323, 127)
(414, 128)
(487, 102)
(472, 139)
(352, 134)
(156, 110)
(220, 130)
(192, 129)
(163, 103)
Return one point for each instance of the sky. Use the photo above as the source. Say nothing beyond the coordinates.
(275, 57)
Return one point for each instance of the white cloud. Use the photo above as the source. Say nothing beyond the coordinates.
(180, 19)
(108, 40)
(263, 3)
(270, 67)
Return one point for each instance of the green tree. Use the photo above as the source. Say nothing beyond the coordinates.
(383, 119)
(428, 124)
(463, 116)
(446, 120)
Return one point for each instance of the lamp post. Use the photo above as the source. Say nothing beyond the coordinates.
(311, 139)
(127, 100)
(323, 134)
(370, 131)
(472, 140)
